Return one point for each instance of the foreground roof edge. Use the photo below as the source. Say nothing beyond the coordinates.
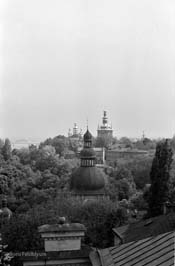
(157, 250)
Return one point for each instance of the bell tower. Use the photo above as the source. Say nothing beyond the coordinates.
(105, 131)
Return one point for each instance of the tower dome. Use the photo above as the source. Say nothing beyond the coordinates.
(87, 178)
(87, 136)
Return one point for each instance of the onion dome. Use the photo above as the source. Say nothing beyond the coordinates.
(87, 139)
(87, 178)
(87, 155)
(87, 136)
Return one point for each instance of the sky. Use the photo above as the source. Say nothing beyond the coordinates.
(65, 61)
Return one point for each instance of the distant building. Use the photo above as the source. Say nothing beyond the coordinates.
(147, 242)
(100, 155)
(75, 141)
(88, 181)
(144, 228)
(112, 156)
(24, 143)
(105, 131)
(75, 133)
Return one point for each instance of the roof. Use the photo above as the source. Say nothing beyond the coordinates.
(61, 227)
(87, 179)
(152, 251)
(87, 136)
(146, 228)
(129, 151)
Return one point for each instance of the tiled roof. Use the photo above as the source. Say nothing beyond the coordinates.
(146, 228)
(61, 227)
(153, 251)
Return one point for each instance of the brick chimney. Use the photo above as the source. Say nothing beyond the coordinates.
(62, 237)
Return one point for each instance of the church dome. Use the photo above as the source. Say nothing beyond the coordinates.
(87, 179)
(87, 136)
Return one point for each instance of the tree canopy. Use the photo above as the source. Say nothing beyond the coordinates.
(160, 178)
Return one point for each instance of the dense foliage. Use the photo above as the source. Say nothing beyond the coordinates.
(21, 231)
(36, 183)
(160, 178)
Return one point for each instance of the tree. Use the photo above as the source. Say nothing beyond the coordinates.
(103, 142)
(1, 144)
(6, 150)
(127, 142)
(23, 154)
(160, 178)
(4, 188)
(121, 184)
(173, 143)
(140, 168)
(61, 144)
(145, 144)
(105, 217)
(21, 232)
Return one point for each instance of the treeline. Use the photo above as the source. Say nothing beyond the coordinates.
(20, 232)
(30, 176)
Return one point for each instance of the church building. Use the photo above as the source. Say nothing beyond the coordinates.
(76, 133)
(88, 181)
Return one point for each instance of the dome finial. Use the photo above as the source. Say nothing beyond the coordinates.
(143, 135)
(87, 123)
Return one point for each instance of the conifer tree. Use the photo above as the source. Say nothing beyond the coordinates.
(160, 178)
(7, 150)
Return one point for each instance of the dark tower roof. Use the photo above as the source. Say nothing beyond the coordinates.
(87, 178)
(87, 152)
(87, 136)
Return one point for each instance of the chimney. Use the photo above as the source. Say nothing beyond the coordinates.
(62, 236)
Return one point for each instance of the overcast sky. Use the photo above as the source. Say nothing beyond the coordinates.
(64, 61)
